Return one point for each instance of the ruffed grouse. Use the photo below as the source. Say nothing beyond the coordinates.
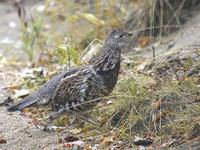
(81, 88)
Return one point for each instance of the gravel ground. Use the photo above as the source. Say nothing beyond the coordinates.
(20, 134)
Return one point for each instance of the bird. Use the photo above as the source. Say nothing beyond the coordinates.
(81, 88)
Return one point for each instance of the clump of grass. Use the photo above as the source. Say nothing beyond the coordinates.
(141, 108)
(30, 34)
(66, 54)
(34, 79)
(131, 102)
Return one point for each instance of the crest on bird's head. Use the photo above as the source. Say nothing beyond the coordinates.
(118, 38)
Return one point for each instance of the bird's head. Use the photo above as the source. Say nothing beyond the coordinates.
(118, 38)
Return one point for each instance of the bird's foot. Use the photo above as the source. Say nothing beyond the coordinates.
(7, 102)
(49, 127)
(73, 120)
(52, 128)
(87, 118)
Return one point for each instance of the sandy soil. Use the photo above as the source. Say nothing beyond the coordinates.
(19, 134)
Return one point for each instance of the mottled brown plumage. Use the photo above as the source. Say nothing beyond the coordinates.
(80, 89)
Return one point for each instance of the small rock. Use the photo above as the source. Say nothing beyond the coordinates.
(95, 147)
(109, 102)
(12, 24)
(7, 40)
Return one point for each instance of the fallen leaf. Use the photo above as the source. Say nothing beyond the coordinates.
(21, 93)
(2, 141)
(144, 41)
(107, 141)
(12, 87)
(70, 138)
(91, 18)
(109, 102)
(76, 131)
(60, 141)
(76, 145)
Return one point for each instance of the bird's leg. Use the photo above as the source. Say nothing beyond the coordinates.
(80, 119)
(74, 120)
(86, 118)
(48, 127)
(91, 121)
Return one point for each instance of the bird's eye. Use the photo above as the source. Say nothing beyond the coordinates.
(121, 36)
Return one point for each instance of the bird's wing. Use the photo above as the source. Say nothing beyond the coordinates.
(45, 93)
(66, 87)
(74, 89)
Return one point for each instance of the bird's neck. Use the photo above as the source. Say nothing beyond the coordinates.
(107, 66)
(109, 60)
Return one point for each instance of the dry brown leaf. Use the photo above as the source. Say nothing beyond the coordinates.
(143, 41)
(2, 140)
(76, 130)
(21, 93)
(70, 138)
(91, 18)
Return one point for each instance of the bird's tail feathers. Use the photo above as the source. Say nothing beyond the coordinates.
(28, 101)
